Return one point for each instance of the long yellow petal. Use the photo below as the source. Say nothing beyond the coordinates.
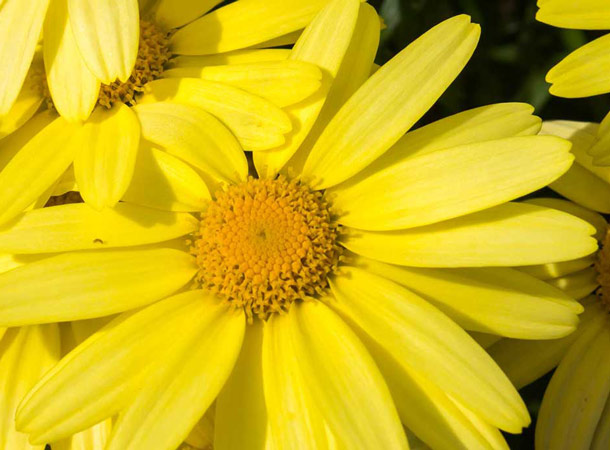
(171, 402)
(555, 270)
(256, 122)
(108, 147)
(12, 144)
(579, 284)
(72, 85)
(80, 227)
(452, 182)
(107, 372)
(601, 439)
(26, 353)
(340, 379)
(237, 57)
(487, 123)
(422, 338)
(20, 27)
(36, 166)
(25, 106)
(577, 393)
(89, 284)
(244, 24)
(512, 234)
(281, 82)
(495, 300)
(584, 72)
(107, 36)
(194, 136)
(94, 438)
(391, 101)
(323, 43)
(163, 181)
(241, 415)
(584, 14)
(176, 13)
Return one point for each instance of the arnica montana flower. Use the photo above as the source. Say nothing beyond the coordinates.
(326, 306)
(104, 149)
(584, 72)
(575, 412)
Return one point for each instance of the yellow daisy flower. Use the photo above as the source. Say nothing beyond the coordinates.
(574, 412)
(242, 91)
(327, 307)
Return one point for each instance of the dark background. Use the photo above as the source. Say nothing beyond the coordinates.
(510, 64)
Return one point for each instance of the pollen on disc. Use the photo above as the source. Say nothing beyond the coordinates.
(153, 54)
(264, 244)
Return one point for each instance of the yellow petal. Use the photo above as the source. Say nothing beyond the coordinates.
(27, 103)
(171, 402)
(584, 14)
(94, 438)
(526, 361)
(257, 123)
(554, 270)
(36, 166)
(584, 72)
(486, 123)
(601, 439)
(80, 227)
(90, 284)
(72, 85)
(339, 378)
(243, 24)
(512, 234)
(577, 393)
(121, 362)
(108, 147)
(237, 57)
(355, 69)
(241, 415)
(175, 13)
(281, 82)
(452, 182)
(20, 28)
(26, 353)
(163, 181)
(579, 284)
(107, 36)
(391, 101)
(324, 43)
(202, 434)
(493, 300)
(423, 339)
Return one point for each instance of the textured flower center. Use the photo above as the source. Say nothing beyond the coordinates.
(153, 53)
(264, 244)
(603, 268)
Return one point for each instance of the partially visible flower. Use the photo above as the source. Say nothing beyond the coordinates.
(575, 411)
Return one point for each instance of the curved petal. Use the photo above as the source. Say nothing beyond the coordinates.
(579, 284)
(176, 13)
(584, 72)
(342, 381)
(324, 43)
(256, 122)
(576, 396)
(20, 27)
(494, 300)
(391, 101)
(92, 284)
(237, 57)
(162, 181)
(80, 227)
(244, 24)
(560, 269)
(241, 414)
(36, 166)
(108, 144)
(512, 234)
(27, 103)
(426, 341)
(107, 34)
(72, 85)
(26, 353)
(584, 14)
(452, 182)
(283, 83)
(194, 136)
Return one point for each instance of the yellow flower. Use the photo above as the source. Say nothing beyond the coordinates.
(240, 93)
(325, 306)
(574, 412)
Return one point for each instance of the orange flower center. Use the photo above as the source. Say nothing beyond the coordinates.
(264, 244)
